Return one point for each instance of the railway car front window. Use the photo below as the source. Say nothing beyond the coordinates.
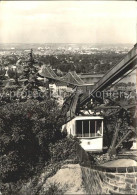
(88, 128)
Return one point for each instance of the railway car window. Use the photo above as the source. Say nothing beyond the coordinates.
(92, 128)
(79, 128)
(85, 128)
(99, 127)
(88, 128)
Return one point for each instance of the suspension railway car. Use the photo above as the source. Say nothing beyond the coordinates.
(89, 129)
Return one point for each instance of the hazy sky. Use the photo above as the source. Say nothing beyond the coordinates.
(68, 21)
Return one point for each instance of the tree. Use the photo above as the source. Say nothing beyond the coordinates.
(2, 72)
(31, 86)
(13, 74)
(26, 129)
(2, 75)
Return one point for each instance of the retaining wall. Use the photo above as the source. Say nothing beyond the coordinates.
(104, 180)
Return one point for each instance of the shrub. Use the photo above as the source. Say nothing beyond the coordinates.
(26, 130)
(63, 149)
(54, 189)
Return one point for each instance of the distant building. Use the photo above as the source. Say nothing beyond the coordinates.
(90, 78)
(53, 87)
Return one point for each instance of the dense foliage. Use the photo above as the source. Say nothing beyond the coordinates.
(64, 149)
(127, 123)
(81, 63)
(61, 152)
(26, 129)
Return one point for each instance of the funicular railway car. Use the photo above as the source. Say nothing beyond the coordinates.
(89, 129)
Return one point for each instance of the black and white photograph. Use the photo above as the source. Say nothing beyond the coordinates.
(68, 97)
